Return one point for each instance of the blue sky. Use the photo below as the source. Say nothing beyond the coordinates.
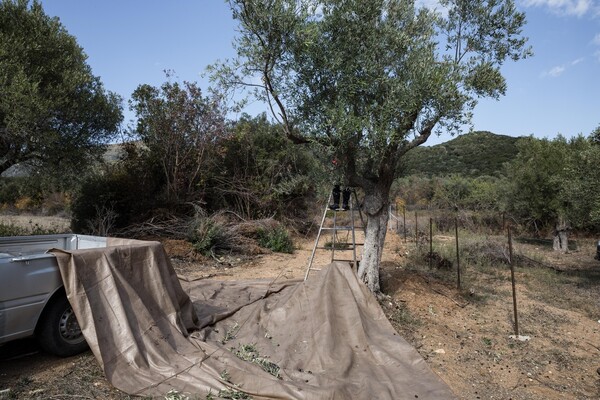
(557, 91)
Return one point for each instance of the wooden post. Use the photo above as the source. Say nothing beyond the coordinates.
(457, 254)
(417, 230)
(430, 242)
(397, 219)
(512, 278)
(404, 221)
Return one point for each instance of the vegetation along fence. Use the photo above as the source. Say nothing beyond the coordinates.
(464, 246)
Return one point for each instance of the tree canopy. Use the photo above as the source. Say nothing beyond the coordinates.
(53, 110)
(554, 180)
(373, 79)
(181, 129)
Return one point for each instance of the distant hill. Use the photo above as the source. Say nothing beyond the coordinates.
(114, 152)
(472, 154)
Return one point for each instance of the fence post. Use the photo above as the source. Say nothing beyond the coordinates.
(457, 254)
(417, 230)
(404, 221)
(512, 278)
(430, 242)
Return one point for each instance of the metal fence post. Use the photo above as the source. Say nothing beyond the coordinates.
(457, 254)
(430, 242)
(512, 277)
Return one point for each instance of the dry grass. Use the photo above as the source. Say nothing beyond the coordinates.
(464, 334)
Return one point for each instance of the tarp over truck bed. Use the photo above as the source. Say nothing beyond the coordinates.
(327, 335)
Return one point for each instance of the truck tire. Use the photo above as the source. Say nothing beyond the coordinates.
(58, 331)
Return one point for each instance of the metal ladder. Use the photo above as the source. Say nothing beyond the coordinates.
(334, 229)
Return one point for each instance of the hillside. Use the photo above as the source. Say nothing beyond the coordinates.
(472, 154)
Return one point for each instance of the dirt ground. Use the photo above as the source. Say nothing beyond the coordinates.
(462, 334)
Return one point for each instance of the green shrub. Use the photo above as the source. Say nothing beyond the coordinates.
(262, 174)
(125, 193)
(10, 190)
(277, 239)
(208, 237)
(11, 230)
(216, 234)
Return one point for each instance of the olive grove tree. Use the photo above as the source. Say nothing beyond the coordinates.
(369, 80)
(53, 111)
(554, 186)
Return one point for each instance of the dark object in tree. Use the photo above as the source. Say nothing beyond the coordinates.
(336, 193)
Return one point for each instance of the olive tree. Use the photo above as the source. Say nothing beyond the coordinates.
(536, 177)
(53, 111)
(554, 186)
(369, 80)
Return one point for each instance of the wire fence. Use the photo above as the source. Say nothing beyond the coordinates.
(418, 225)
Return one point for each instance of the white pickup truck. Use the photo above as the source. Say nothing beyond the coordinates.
(32, 297)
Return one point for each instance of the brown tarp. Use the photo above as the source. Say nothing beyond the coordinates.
(325, 338)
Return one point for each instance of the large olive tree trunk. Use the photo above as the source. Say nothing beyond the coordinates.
(561, 236)
(377, 210)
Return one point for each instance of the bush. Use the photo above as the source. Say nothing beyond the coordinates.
(11, 230)
(277, 239)
(209, 237)
(263, 174)
(10, 190)
(215, 234)
(220, 234)
(56, 203)
(125, 193)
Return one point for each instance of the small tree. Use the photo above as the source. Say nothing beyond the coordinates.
(372, 79)
(181, 130)
(580, 184)
(595, 136)
(53, 111)
(554, 185)
(262, 174)
(536, 180)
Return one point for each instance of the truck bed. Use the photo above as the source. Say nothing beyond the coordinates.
(29, 277)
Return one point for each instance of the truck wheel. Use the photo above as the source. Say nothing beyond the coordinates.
(58, 331)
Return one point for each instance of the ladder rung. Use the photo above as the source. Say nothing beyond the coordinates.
(330, 246)
(343, 259)
(338, 228)
(336, 248)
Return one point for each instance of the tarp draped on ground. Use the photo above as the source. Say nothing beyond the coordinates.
(325, 338)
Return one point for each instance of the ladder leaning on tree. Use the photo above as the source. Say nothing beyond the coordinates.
(336, 243)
